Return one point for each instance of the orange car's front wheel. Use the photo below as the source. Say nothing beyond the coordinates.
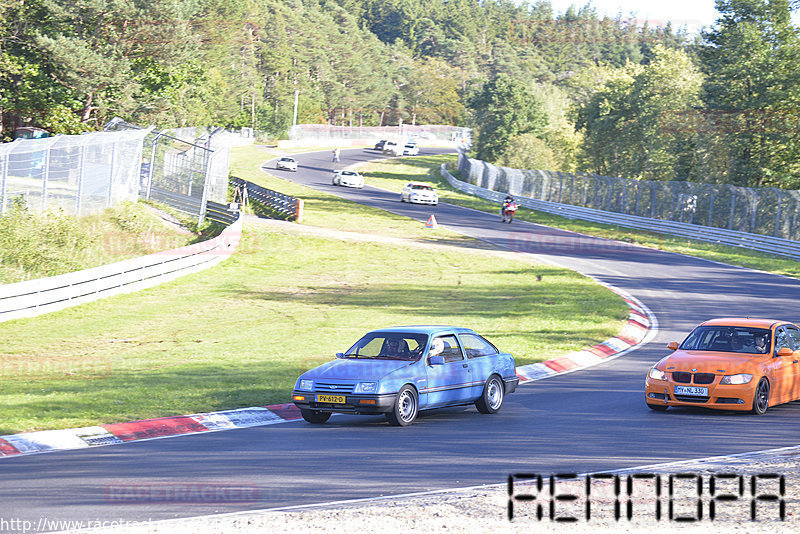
(761, 397)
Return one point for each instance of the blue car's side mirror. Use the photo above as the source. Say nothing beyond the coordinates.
(436, 360)
(340, 355)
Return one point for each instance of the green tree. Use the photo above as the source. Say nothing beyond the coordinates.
(752, 93)
(431, 93)
(504, 109)
(633, 123)
(526, 151)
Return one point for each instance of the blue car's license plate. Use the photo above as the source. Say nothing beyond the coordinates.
(335, 399)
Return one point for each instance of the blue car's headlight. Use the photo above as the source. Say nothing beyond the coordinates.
(305, 385)
(366, 387)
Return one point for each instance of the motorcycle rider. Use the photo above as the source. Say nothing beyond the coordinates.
(506, 202)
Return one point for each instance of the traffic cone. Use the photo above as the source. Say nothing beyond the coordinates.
(431, 222)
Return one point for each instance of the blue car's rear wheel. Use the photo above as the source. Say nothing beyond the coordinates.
(493, 394)
(314, 416)
(405, 408)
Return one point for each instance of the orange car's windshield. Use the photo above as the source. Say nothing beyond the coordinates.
(738, 339)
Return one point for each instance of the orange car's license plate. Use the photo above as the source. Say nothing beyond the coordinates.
(335, 399)
(686, 390)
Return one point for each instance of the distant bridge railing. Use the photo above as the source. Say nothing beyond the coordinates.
(762, 243)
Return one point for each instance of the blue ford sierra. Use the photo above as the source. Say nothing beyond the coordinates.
(401, 370)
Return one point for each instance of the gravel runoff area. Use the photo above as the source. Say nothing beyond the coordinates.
(486, 508)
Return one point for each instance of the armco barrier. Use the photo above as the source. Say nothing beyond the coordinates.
(761, 243)
(35, 297)
(220, 213)
(288, 206)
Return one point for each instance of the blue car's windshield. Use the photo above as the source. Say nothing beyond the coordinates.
(389, 345)
(729, 339)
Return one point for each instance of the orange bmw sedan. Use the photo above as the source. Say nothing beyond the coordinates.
(729, 364)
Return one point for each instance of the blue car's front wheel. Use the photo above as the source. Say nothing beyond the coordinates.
(405, 408)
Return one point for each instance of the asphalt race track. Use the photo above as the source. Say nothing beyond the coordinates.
(587, 421)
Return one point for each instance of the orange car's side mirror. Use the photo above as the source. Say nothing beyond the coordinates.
(785, 351)
(673, 345)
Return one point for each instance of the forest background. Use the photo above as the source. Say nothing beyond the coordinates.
(573, 91)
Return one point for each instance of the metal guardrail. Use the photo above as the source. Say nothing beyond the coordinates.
(184, 203)
(768, 211)
(290, 207)
(35, 297)
(220, 213)
(761, 243)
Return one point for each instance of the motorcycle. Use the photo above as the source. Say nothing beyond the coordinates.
(508, 211)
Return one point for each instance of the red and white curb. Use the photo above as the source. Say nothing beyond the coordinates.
(640, 328)
(164, 427)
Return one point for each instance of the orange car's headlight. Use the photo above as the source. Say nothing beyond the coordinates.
(742, 378)
(657, 374)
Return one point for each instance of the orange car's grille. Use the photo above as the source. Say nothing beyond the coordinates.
(683, 378)
(703, 378)
(686, 378)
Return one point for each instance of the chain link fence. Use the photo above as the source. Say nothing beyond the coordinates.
(186, 167)
(766, 211)
(455, 134)
(79, 174)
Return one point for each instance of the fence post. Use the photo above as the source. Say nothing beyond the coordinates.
(44, 179)
(711, 208)
(778, 215)
(733, 207)
(653, 198)
(152, 166)
(111, 174)
(5, 161)
(204, 200)
(79, 195)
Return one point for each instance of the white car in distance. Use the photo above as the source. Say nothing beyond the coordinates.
(287, 164)
(419, 193)
(392, 149)
(411, 149)
(348, 179)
